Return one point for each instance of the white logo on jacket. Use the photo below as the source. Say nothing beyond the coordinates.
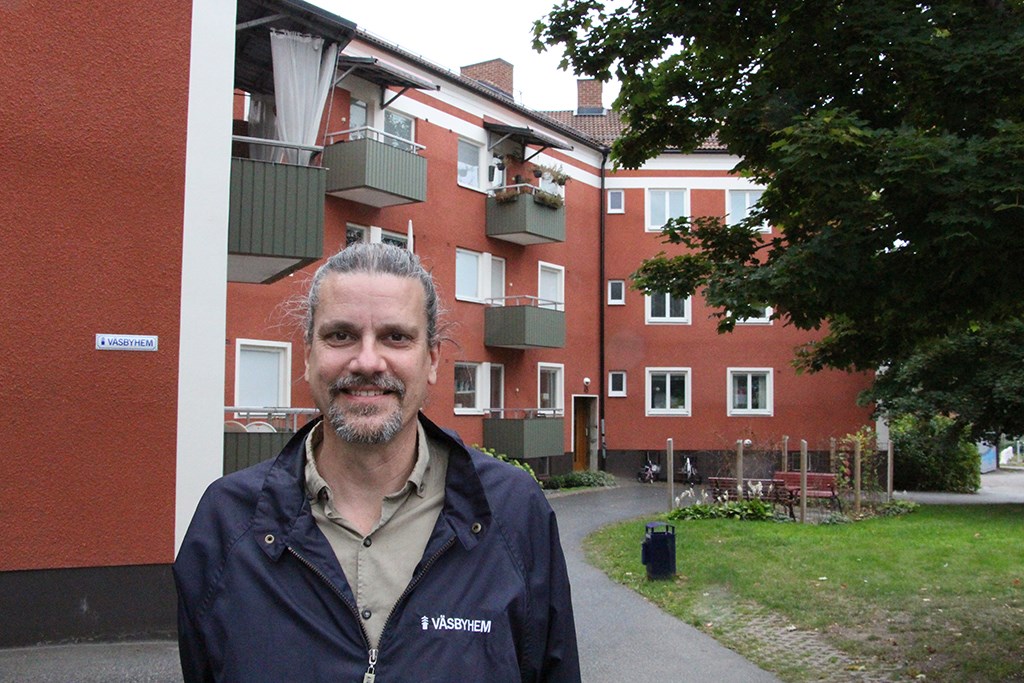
(443, 623)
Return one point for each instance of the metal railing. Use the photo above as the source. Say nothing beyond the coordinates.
(525, 413)
(263, 418)
(524, 300)
(363, 132)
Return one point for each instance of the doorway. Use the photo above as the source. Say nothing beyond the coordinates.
(584, 433)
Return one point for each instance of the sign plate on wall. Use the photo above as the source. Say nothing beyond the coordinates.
(126, 342)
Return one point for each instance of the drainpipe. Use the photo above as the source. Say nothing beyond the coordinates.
(602, 375)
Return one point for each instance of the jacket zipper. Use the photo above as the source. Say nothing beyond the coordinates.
(369, 676)
(371, 652)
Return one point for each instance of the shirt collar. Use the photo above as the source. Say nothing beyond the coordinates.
(318, 489)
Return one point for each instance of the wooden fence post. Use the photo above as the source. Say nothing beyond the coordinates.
(856, 477)
(803, 480)
(739, 467)
(670, 459)
(889, 473)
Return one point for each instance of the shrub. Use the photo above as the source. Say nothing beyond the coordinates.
(895, 508)
(754, 509)
(934, 455)
(579, 479)
(511, 461)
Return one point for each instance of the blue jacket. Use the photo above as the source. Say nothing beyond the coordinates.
(261, 596)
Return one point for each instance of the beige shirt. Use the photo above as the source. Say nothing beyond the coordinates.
(380, 565)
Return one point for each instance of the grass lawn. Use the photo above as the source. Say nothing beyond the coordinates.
(936, 592)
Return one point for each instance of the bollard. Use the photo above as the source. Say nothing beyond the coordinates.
(658, 551)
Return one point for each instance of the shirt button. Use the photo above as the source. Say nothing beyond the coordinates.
(367, 614)
(367, 542)
(477, 527)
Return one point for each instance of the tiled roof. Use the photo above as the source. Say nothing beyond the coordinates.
(607, 127)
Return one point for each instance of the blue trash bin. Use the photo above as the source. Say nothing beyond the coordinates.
(658, 551)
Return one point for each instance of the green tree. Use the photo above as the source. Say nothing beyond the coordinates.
(889, 137)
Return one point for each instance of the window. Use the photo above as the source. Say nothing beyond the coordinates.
(668, 391)
(616, 201)
(750, 391)
(741, 202)
(551, 286)
(469, 164)
(549, 388)
(399, 129)
(479, 277)
(358, 117)
(616, 383)
(497, 403)
(664, 205)
(374, 235)
(616, 292)
(479, 387)
(262, 373)
(664, 308)
(764, 319)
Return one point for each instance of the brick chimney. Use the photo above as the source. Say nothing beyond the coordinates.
(588, 96)
(496, 73)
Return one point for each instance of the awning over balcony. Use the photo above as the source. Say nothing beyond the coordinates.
(254, 72)
(383, 74)
(523, 135)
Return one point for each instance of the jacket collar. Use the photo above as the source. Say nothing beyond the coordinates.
(283, 516)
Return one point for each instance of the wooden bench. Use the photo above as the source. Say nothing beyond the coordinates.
(773, 491)
(819, 485)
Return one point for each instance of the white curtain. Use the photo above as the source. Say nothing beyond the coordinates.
(262, 124)
(303, 72)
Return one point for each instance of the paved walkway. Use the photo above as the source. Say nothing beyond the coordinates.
(622, 636)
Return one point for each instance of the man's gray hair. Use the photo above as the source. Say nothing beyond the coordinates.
(376, 259)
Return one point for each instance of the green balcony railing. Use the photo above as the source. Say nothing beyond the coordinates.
(525, 215)
(275, 219)
(375, 169)
(526, 434)
(524, 322)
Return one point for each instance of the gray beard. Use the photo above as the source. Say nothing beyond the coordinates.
(351, 433)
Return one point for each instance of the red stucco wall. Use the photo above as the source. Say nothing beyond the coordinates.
(94, 114)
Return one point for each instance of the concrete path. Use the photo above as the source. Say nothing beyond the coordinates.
(623, 637)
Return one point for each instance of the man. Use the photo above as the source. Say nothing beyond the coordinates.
(376, 546)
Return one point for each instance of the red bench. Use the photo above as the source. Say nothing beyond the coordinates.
(819, 485)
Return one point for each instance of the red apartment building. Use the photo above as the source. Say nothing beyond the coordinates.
(154, 220)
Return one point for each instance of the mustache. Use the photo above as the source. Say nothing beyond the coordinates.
(385, 382)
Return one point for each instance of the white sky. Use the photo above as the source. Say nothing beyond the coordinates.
(456, 33)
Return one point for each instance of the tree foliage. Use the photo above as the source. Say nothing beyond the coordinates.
(889, 137)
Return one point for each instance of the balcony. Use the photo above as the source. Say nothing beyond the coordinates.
(275, 220)
(525, 434)
(252, 435)
(375, 168)
(524, 214)
(524, 322)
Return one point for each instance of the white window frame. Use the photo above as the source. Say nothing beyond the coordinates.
(621, 195)
(407, 144)
(651, 193)
(613, 300)
(480, 183)
(284, 351)
(612, 391)
(500, 369)
(375, 235)
(482, 382)
(650, 319)
(487, 264)
(749, 201)
(765, 319)
(769, 408)
(686, 410)
(559, 302)
(559, 407)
